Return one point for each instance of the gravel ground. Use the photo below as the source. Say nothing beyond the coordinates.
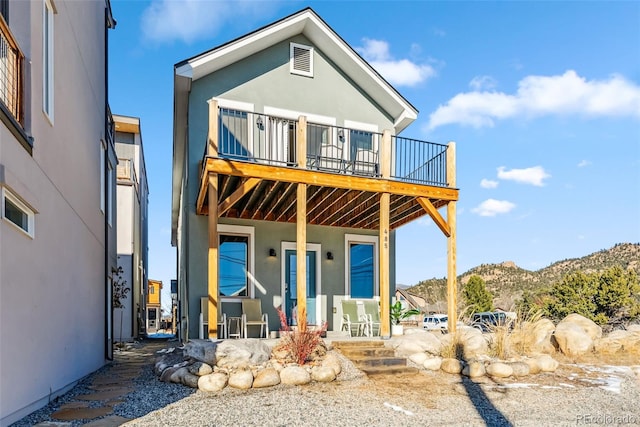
(573, 395)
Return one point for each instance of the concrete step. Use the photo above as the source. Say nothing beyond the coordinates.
(361, 352)
(389, 370)
(357, 343)
(379, 361)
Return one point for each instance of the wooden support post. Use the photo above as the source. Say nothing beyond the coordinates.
(301, 143)
(301, 251)
(452, 286)
(212, 133)
(385, 283)
(385, 154)
(212, 286)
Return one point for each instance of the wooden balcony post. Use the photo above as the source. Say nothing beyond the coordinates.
(452, 287)
(212, 134)
(301, 251)
(212, 278)
(385, 154)
(301, 142)
(385, 283)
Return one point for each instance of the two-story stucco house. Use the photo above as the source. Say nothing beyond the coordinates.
(290, 177)
(57, 189)
(133, 218)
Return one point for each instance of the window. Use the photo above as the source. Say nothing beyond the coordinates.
(4, 10)
(361, 266)
(301, 59)
(151, 290)
(17, 213)
(235, 254)
(102, 178)
(317, 136)
(233, 133)
(109, 194)
(47, 59)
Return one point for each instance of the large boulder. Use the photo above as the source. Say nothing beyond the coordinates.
(474, 369)
(266, 378)
(533, 337)
(499, 370)
(332, 361)
(406, 345)
(212, 382)
(451, 366)
(546, 363)
(627, 341)
(418, 358)
(323, 374)
(575, 334)
(200, 369)
(201, 350)
(432, 363)
(241, 354)
(295, 375)
(241, 380)
(520, 369)
(473, 342)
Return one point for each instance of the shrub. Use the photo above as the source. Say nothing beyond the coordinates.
(301, 342)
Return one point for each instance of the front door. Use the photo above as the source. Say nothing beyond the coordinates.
(290, 280)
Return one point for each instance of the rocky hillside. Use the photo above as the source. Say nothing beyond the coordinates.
(507, 280)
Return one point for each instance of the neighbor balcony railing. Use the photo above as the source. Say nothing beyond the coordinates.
(11, 74)
(261, 138)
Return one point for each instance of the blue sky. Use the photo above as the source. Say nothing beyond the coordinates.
(541, 98)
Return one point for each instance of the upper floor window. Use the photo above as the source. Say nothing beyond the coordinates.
(47, 59)
(17, 213)
(301, 59)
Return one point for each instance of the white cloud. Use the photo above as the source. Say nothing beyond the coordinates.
(482, 82)
(487, 183)
(189, 20)
(534, 175)
(492, 207)
(584, 163)
(400, 72)
(564, 94)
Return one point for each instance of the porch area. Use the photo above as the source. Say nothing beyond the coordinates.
(261, 167)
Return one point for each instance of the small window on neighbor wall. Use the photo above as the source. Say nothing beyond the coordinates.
(301, 59)
(17, 213)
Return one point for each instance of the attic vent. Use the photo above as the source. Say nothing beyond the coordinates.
(301, 59)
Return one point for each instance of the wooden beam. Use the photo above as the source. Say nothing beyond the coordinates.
(385, 283)
(242, 189)
(435, 215)
(301, 252)
(324, 179)
(452, 286)
(385, 154)
(212, 258)
(301, 142)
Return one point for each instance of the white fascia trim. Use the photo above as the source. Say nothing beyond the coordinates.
(234, 105)
(361, 238)
(295, 115)
(247, 231)
(367, 127)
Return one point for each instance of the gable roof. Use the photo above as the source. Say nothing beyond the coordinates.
(316, 30)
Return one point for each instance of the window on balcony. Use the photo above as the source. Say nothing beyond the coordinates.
(234, 133)
(47, 59)
(17, 213)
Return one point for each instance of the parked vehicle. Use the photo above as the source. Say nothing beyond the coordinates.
(486, 320)
(435, 322)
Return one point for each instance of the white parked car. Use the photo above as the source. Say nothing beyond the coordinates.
(435, 322)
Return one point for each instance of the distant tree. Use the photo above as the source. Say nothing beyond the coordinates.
(476, 295)
(613, 294)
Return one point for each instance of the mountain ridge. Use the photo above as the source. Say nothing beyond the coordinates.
(507, 281)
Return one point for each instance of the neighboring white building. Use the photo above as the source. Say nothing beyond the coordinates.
(133, 203)
(57, 212)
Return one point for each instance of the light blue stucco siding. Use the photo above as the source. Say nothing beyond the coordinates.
(265, 80)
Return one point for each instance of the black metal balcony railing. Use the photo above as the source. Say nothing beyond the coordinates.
(271, 140)
(110, 126)
(11, 79)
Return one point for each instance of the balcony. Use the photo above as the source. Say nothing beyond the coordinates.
(11, 74)
(259, 138)
(256, 163)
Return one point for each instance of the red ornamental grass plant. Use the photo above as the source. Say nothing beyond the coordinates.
(301, 342)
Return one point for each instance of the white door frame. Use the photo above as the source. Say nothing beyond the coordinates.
(311, 247)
